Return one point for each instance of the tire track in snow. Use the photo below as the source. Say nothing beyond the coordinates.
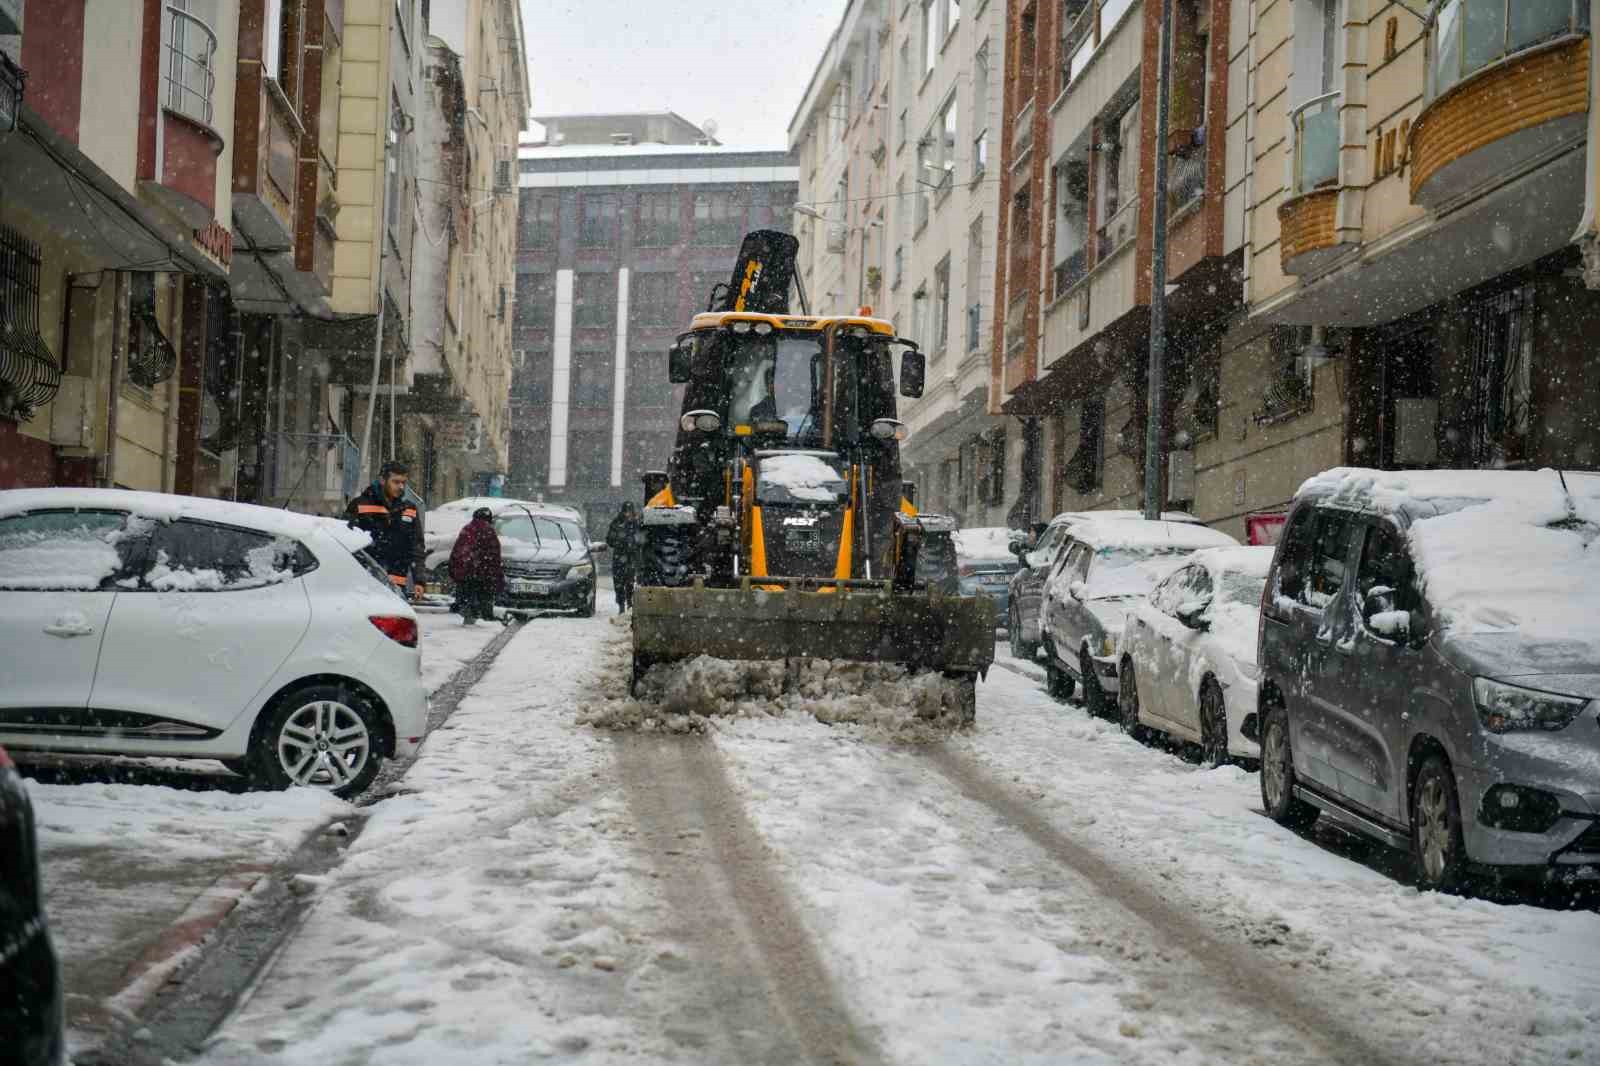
(771, 992)
(1228, 973)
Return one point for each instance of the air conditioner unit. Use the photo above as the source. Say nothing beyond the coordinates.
(519, 358)
(1416, 432)
(502, 175)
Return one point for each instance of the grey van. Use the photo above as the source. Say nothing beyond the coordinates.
(1430, 667)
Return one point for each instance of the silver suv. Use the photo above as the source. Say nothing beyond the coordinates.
(1430, 667)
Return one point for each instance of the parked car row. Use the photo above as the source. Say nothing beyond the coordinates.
(548, 559)
(1418, 659)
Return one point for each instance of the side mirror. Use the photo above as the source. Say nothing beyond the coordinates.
(1378, 611)
(913, 372)
(1192, 614)
(680, 364)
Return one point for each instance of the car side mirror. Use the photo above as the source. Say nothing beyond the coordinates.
(1378, 611)
(680, 367)
(913, 372)
(1192, 614)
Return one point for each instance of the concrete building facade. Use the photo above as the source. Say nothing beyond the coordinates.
(618, 244)
(895, 139)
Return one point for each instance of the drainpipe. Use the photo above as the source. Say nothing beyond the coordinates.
(119, 295)
(1586, 238)
(1158, 280)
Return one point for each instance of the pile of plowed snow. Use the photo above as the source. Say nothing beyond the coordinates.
(689, 696)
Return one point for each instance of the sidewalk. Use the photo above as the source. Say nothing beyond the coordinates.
(137, 875)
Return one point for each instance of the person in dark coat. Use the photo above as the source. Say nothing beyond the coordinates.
(475, 567)
(622, 537)
(385, 513)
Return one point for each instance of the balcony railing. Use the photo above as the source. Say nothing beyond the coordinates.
(1468, 35)
(191, 74)
(1186, 178)
(1121, 228)
(1016, 324)
(1069, 271)
(1316, 143)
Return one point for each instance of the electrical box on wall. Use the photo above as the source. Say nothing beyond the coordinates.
(1416, 432)
(1180, 476)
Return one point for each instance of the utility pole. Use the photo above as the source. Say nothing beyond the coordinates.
(1158, 281)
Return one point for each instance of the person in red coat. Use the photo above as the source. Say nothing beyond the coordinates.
(475, 567)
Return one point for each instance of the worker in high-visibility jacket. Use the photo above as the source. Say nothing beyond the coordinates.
(388, 514)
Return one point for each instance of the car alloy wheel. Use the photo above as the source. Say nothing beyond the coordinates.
(1436, 836)
(324, 744)
(1277, 775)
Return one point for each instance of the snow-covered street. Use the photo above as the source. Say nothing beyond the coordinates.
(759, 885)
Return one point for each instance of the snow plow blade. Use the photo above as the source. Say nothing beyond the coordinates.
(813, 618)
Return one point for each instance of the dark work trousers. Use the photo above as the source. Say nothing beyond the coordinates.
(477, 599)
(622, 579)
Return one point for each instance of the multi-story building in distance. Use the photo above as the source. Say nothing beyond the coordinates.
(625, 223)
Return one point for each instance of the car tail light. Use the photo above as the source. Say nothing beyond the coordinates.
(396, 628)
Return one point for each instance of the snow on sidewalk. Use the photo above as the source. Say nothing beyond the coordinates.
(447, 644)
(491, 912)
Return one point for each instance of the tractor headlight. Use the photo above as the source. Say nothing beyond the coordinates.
(581, 570)
(740, 327)
(704, 421)
(1505, 708)
(763, 328)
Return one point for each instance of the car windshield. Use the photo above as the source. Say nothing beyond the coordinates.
(540, 531)
(1121, 573)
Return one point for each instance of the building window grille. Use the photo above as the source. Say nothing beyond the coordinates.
(1500, 340)
(29, 374)
(151, 357)
(191, 52)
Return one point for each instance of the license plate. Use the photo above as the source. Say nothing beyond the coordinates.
(529, 588)
(994, 579)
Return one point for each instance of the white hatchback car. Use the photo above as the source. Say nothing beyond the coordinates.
(149, 624)
(1188, 653)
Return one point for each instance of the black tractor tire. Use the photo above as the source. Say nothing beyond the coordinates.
(1094, 697)
(1277, 774)
(332, 714)
(1213, 726)
(1437, 846)
(666, 556)
(1025, 650)
(1128, 702)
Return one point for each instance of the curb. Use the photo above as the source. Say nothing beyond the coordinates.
(183, 940)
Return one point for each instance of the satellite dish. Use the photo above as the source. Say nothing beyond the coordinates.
(710, 128)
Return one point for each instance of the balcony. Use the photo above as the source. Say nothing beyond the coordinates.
(1508, 85)
(190, 145)
(1307, 220)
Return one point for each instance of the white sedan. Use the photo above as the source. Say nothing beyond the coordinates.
(158, 625)
(1188, 653)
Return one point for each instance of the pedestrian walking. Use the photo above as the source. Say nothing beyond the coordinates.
(475, 567)
(622, 537)
(388, 514)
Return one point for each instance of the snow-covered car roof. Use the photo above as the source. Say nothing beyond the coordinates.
(1251, 561)
(1119, 515)
(1131, 533)
(986, 542)
(167, 507)
(1499, 552)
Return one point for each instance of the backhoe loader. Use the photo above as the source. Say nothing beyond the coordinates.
(781, 527)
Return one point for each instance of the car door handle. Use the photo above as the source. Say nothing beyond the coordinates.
(69, 629)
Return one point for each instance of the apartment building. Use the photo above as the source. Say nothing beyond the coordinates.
(1078, 240)
(1421, 229)
(899, 197)
(454, 418)
(620, 239)
(116, 160)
